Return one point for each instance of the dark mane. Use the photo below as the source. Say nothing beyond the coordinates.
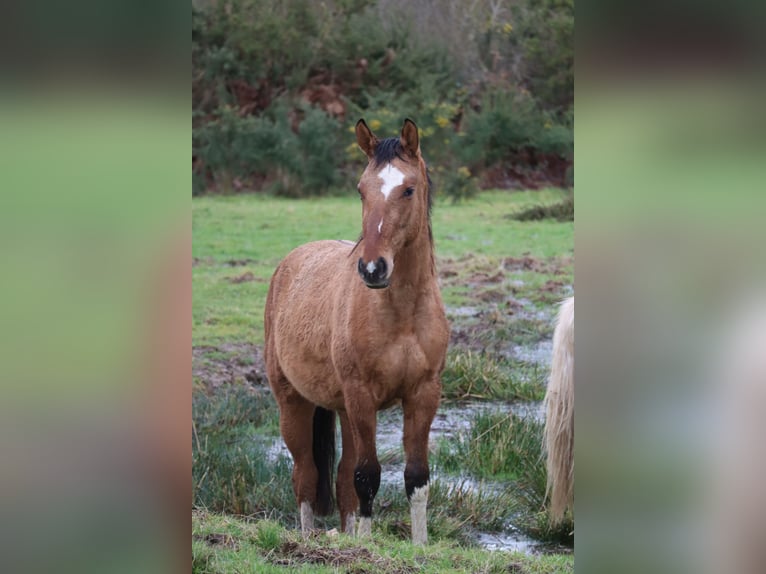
(387, 150)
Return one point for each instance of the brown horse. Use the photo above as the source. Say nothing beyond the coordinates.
(356, 328)
(559, 420)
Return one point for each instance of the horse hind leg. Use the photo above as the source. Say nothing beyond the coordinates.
(301, 423)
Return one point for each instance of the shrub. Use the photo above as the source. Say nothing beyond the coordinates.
(561, 211)
(510, 126)
(457, 184)
(235, 151)
(488, 85)
(544, 33)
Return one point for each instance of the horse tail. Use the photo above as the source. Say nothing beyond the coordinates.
(324, 458)
(559, 424)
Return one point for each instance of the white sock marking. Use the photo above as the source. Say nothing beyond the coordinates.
(371, 267)
(307, 518)
(418, 505)
(364, 527)
(350, 523)
(391, 177)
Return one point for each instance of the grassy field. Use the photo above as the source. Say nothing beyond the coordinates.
(500, 279)
(249, 234)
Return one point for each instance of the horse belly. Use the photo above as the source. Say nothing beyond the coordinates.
(315, 382)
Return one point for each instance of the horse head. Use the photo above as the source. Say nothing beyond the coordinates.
(394, 190)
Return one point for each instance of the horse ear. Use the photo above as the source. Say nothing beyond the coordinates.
(365, 138)
(410, 140)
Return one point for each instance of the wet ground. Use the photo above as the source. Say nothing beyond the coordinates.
(451, 419)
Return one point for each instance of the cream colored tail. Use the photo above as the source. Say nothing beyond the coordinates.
(559, 423)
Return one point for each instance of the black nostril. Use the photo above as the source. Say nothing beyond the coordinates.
(380, 268)
(372, 272)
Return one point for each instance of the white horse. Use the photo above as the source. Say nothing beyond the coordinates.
(559, 422)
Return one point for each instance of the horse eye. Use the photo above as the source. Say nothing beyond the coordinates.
(408, 192)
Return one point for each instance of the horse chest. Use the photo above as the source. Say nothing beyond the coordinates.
(404, 362)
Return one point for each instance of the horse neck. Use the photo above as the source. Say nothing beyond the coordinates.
(414, 268)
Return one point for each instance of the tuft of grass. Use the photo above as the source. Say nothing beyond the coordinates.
(452, 507)
(472, 375)
(232, 469)
(269, 535)
(203, 558)
(506, 447)
(231, 406)
(561, 211)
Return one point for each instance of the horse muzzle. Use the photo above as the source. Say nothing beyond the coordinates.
(374, 273)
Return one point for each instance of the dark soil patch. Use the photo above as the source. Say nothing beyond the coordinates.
(244, 278)
(229, 364)
(294, 553)
(197, 261)
(529, 170)
(218, 540)
(552, 286)
(551, 266)
(467, 271)
(239, 262)
(491, 296)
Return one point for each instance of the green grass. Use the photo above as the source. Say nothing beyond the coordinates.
(251, 233)
(231, 469)
(226, 544)
(472, 375)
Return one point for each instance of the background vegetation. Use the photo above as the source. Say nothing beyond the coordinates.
(277, 85)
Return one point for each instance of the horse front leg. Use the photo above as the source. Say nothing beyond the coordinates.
(348, 502)
(419, 411)
(362, 418)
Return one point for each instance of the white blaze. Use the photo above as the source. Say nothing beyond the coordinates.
(392, 178)
(371, 267)
(380, 225)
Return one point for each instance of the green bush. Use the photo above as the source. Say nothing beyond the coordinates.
(561, 211)
(491, 88)
(544, 34)
(266, 149)
(509, 126)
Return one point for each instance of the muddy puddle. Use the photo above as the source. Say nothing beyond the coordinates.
(451, 420)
